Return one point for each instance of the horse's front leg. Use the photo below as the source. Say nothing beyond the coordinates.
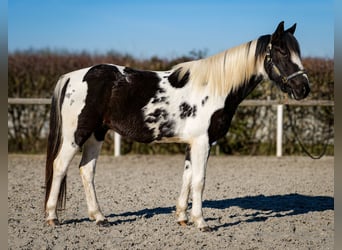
(199, 157)
(182, 203)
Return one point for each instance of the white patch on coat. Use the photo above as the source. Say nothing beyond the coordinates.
(74, 102)
(189, 127)
(296, 60)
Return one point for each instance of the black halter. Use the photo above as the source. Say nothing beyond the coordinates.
(273, 68)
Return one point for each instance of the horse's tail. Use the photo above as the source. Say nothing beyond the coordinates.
(54, 142)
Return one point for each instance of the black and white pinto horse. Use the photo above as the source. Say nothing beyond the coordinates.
(193, 103)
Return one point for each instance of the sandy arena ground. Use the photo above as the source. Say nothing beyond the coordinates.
(250, 203)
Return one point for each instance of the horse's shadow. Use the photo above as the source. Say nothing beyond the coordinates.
(272, 206)
(265, 207)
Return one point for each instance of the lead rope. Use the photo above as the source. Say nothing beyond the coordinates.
(300, 142)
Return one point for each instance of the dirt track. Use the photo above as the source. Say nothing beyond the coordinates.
(250, 202)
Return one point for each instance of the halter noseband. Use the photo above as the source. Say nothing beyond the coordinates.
(272, 67)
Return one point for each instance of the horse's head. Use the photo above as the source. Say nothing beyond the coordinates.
(283, 63)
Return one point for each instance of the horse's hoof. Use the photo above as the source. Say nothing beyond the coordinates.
(183, 223)
(103, 223)
(53, 222)
(206, 229)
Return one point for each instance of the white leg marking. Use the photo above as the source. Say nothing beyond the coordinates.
(91, 150)
(60, 167)
(182, 203)
(199, 157)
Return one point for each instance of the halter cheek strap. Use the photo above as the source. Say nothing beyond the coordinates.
(273, 68)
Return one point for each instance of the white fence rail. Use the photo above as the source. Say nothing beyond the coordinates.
(279, 103)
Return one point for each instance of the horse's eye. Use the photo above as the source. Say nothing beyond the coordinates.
(283, 52)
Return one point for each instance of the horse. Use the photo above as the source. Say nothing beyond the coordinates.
(193, 103)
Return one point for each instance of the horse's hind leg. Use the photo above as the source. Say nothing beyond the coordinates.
(182, 203)
(60, 167)
(91, 150)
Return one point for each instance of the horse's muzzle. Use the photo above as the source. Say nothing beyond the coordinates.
(300, 92)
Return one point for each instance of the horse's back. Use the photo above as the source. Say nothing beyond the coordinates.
(144, 106)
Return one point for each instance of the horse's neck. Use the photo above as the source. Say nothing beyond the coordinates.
(235, 97)
(246, 86)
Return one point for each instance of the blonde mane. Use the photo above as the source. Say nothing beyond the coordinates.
(224, 72)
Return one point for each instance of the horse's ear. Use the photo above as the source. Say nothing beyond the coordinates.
(292, 29)
(278, 32)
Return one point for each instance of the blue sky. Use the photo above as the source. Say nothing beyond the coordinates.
(166, 29)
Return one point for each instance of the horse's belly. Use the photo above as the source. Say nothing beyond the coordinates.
(131, 127)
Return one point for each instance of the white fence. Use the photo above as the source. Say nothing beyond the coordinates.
(277, 103)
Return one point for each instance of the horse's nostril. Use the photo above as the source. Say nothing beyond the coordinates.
(306, 91)
(307, 88)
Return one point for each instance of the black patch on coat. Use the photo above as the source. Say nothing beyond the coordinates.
(261, 46)
(156, 115)
(159, 99)
(161, 91)
(187, 153)
(248, 47)
(166, 126)
(186, 110)
(176, 82)
(100, 132)
(166, 129)
(150, 120)
(205, 99)
(63, 91)
(124, 113)
(221, 119)
(187, 157)
(100, 80)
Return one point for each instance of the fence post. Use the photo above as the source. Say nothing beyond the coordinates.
(279, 130)
(117, 144)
